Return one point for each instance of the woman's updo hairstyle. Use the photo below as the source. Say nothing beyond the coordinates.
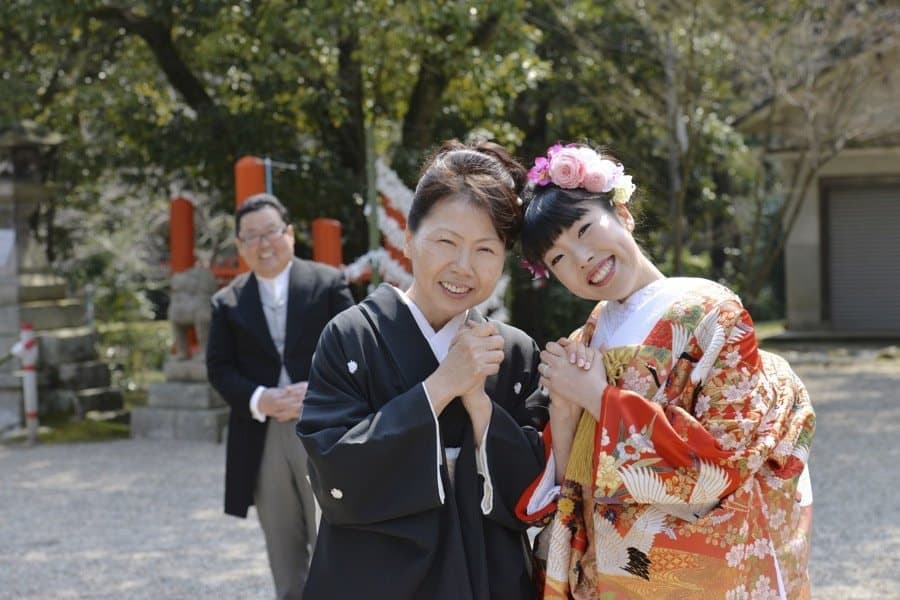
(483, 174)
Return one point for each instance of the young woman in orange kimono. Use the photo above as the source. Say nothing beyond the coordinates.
(677, 465)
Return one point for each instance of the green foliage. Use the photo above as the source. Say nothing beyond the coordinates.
(136, 351)
(693, 265)
(64, 429)
(157, 96)
(767, 329)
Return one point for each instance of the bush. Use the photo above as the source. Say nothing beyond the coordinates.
(136, 351)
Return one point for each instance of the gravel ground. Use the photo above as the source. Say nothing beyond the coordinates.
(127, 519)
(143, 519)
(853, 464)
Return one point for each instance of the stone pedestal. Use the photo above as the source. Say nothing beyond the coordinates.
(71, 378)
(184, 407)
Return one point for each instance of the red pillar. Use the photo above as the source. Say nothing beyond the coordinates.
(326, 237)
(181, 234)
(249, 179)
(181, 244)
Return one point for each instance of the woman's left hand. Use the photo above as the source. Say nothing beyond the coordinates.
(567, 381)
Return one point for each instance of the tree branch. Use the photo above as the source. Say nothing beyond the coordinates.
(352, 129)
(158, 38)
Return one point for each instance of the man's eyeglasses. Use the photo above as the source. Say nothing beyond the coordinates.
(270, 236)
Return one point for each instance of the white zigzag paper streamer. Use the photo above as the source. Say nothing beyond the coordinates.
(387, 182)
(390, 229)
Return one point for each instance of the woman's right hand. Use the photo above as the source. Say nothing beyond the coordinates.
(475, 354)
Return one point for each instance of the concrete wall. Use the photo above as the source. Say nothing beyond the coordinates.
(804, 246)
(857, 101)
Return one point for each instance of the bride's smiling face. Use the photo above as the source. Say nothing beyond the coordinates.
(597, 258)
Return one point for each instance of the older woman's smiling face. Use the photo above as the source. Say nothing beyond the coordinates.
(457, 258)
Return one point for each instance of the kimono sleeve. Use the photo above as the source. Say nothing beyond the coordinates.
(367, 465)
(697, 447)
(514, 446)
(536, 505)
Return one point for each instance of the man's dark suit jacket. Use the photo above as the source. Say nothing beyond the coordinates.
(241, 356)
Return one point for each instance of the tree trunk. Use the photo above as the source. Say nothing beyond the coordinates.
(435, 73)
(673, 114)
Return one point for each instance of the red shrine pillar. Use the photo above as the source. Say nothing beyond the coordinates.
(181, 245)
(326, 238)
(249, 179)
(181, 234)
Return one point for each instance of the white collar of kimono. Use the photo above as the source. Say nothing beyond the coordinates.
(630, 322)
(274, 289)
(438, 340)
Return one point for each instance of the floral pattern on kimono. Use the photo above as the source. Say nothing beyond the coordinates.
(687, 486)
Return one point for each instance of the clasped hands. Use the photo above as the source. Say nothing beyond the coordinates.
(475, 354)
(283, 404)
(575, 378)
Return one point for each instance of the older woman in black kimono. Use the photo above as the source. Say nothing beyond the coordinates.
(422, 418)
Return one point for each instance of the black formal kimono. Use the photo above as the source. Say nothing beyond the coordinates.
(393, 524)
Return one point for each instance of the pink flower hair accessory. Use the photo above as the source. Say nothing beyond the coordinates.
(574, 166)
(537, 270)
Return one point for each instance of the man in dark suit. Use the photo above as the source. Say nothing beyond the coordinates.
(264, 329)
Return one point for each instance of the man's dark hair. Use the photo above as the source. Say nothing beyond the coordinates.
(257, 202)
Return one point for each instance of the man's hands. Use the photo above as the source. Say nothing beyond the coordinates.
(283, 404)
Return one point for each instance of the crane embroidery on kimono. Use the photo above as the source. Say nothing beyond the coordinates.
(646, 487)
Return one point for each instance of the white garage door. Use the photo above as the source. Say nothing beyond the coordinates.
(864, 258)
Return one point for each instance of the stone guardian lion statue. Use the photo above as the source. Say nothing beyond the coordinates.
(189, 306)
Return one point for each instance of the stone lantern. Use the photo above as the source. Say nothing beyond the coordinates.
(70, 376)
(27, 162)
(28, 152)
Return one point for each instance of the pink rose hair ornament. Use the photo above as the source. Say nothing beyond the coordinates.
(538, 271)
(576, 166)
